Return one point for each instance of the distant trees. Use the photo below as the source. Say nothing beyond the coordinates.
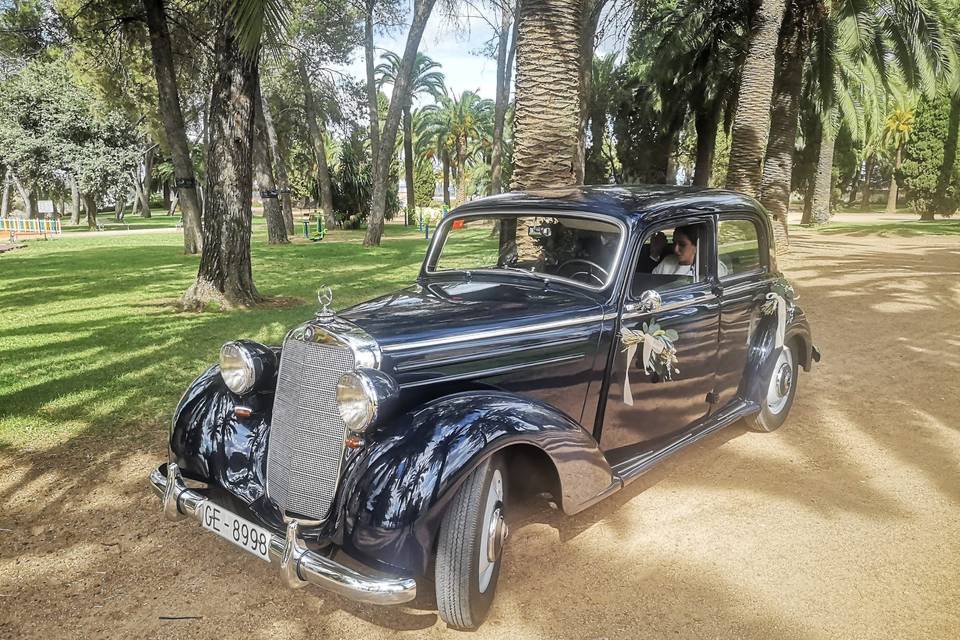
(929, 169)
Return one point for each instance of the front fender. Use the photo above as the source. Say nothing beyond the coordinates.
(396, 488)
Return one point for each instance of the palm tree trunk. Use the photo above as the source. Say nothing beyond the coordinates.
(316, 125)
(373, 96)
(867, 179)
(823, 185)
(894, 185)
(173, 126)
(775, 185)
(400, 97)
(408, 164)
(225, 276)
(752, 121)
(461, 172)
(706, 122)
(446, 177)
(263, 176)
(506, 48)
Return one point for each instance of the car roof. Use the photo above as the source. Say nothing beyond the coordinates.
(632, 204)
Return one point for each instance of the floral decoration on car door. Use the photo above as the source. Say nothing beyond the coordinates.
(659, 353)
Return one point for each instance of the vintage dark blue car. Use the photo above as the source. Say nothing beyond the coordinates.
(558, 342)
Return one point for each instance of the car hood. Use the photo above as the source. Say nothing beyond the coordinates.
(441, 311)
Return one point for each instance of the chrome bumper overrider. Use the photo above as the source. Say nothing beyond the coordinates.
(298, 565)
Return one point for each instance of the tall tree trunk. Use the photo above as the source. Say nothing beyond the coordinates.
(90, 204)
(706, 122)
(408, 164)
(373, 95)
(461, 172)
(867, 180)
(775, 185)
(316, 125)
(752, 121)
(446, 176)
(587, 24)
(280, 168)
(118, 208)
(29, 198)
(166, 195)
(5, 204)
(548, 117)
(225, 276)
(823, 185)
(173, 127)
(263, 176)
(146, 184)
(74, 203)
(173, 204)
(401, 94)
(506, 49)
(894, 185)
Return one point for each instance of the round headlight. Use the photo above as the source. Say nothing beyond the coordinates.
(362, 395)
(237, 367)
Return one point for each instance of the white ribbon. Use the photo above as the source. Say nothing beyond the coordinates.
(652, 345)
(627, 394)
(781, 304)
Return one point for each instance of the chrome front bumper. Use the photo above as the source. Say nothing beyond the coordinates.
(298, 565)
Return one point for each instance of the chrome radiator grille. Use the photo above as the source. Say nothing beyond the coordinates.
(305, 448)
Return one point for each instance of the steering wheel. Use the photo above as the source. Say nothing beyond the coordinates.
(589, 273)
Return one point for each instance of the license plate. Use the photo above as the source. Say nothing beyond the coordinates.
(240, 532)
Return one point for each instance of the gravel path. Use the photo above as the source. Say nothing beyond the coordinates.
(843, 524)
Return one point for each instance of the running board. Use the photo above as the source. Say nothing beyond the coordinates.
(632, 468)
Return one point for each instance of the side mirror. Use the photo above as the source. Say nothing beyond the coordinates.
(650, 301)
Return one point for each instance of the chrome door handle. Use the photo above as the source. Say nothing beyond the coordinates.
(650, 301)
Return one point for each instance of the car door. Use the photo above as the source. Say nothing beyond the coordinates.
(743, 252)
(659, 407)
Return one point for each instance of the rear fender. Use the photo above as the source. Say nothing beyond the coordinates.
(394, 490)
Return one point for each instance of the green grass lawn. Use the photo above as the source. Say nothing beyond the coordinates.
(895, 229)
(90, 345)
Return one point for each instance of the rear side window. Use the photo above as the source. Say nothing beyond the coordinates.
(739, 247)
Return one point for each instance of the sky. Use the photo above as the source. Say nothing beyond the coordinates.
(457, 49)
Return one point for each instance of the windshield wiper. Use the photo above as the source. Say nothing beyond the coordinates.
(534, 274)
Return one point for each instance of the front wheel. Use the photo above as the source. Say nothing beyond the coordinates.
(470, 549)
(781, 389)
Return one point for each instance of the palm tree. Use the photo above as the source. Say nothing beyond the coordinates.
(424, 80)
(471, 125)
(603, 92)
(896, 133)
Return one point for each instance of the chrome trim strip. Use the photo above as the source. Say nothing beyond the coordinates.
(484, 373)
(298, 565)
(672, 307)
(740, 288)
(444, 227)
(486, 355)
(497, 333)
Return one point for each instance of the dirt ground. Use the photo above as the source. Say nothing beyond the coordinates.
(845, 523)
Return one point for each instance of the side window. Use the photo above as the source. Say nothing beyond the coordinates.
(739, 247)
(672, 257)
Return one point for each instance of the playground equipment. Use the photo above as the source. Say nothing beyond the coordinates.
(22, 228)
(321, 229)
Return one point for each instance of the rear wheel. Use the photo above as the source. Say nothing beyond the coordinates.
(781, 389)
(470, 548)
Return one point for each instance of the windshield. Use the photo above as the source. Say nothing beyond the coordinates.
(583, 250)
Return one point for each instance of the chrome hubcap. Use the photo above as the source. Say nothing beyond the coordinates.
(493, 532)
(781, 382)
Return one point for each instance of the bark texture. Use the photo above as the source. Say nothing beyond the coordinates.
(819, 212)
(775, 186)
(706, 122)
(408, 164)
(90, 204)
(225, 276)
(548, 98)
(173, 126)
(263, 173)
(279, 167)
(401, 94)
(752, 120)
(316, 124)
